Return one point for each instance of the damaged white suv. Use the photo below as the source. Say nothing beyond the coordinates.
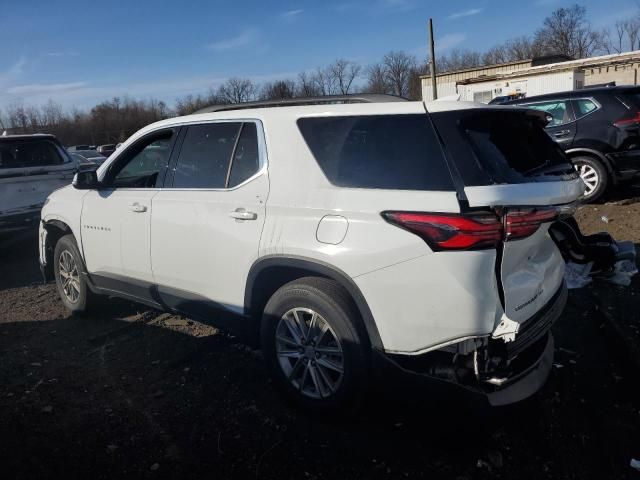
(343, 238)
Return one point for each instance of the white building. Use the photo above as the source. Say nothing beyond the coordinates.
(535, 77)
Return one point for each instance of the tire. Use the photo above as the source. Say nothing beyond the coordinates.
(595, 176)
(314, 376)
(68, 264)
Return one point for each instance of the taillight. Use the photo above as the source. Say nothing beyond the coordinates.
(625, 122)
(472, 231)
(523, 222)
(450, 232)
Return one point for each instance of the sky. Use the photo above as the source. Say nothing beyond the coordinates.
(78, 53)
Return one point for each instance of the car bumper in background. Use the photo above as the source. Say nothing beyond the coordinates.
(626, 165)
(17, 221)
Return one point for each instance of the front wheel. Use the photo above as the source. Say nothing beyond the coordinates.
(312, 345)
(594, 175)
(68, 269)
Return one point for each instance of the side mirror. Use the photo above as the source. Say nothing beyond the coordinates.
(85, 180)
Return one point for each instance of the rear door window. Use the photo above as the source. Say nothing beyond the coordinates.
(29, 153)
(205, 155)
(558, 110)
(378, 151)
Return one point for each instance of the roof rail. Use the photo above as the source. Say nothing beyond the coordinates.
(289, 102)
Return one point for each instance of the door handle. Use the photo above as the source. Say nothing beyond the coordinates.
(242, 214)
(136, 207)
(561, 133)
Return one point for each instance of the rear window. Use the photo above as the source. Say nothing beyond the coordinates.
(512, 147)
(399, 152)
(498, 146)
(29, 153)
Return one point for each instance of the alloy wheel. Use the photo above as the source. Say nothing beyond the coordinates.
(589, 176)
(69, 276)
(309, 353)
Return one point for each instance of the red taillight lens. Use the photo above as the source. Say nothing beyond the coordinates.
(450, 232)
(520, 223)
(625, 122)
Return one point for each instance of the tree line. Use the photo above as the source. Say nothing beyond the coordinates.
(566, 31)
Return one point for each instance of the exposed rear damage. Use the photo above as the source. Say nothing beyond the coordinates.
(514, 183)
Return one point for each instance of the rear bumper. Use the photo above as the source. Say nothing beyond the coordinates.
(498, 373)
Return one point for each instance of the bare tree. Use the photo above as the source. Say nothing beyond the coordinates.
(397, 72)
(566, 31)
(324, 81)
(458, 59)
(306, 86)
(344, 72)
(278, 90)
(190, 103)
(623, 37)
(237, 90)
(632, 29)
(376, 79)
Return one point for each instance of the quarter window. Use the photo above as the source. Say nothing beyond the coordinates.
(399, 152)
(558, 110)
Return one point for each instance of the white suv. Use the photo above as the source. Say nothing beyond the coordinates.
(341, 238)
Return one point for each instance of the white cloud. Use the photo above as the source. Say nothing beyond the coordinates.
(465, 13)
(396, 5)
(45, 88)
(291, 14)
(62, 54)
(449, 41)
(244, 38)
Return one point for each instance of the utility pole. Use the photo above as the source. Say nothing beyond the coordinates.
(434, 87)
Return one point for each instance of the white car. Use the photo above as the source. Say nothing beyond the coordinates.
(31, 167)
(341, 238)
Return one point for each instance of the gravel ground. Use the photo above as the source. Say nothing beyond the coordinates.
(132, 392)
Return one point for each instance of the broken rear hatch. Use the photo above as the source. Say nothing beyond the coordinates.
(506, 164)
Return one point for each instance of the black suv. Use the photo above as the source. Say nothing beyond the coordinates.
(598, 128)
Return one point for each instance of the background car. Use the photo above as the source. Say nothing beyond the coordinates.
(106, 150)
(31, 167)
(599, 129)
(75, 148)
(87, 157)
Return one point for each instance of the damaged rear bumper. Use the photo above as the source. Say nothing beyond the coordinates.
(502, 373)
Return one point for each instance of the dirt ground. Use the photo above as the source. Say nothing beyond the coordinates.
(135, 393)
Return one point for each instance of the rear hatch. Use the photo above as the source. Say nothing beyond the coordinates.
(507, 166)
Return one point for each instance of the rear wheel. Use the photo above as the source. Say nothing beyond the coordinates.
(68, 269)
(312, 345)
(594, 175)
